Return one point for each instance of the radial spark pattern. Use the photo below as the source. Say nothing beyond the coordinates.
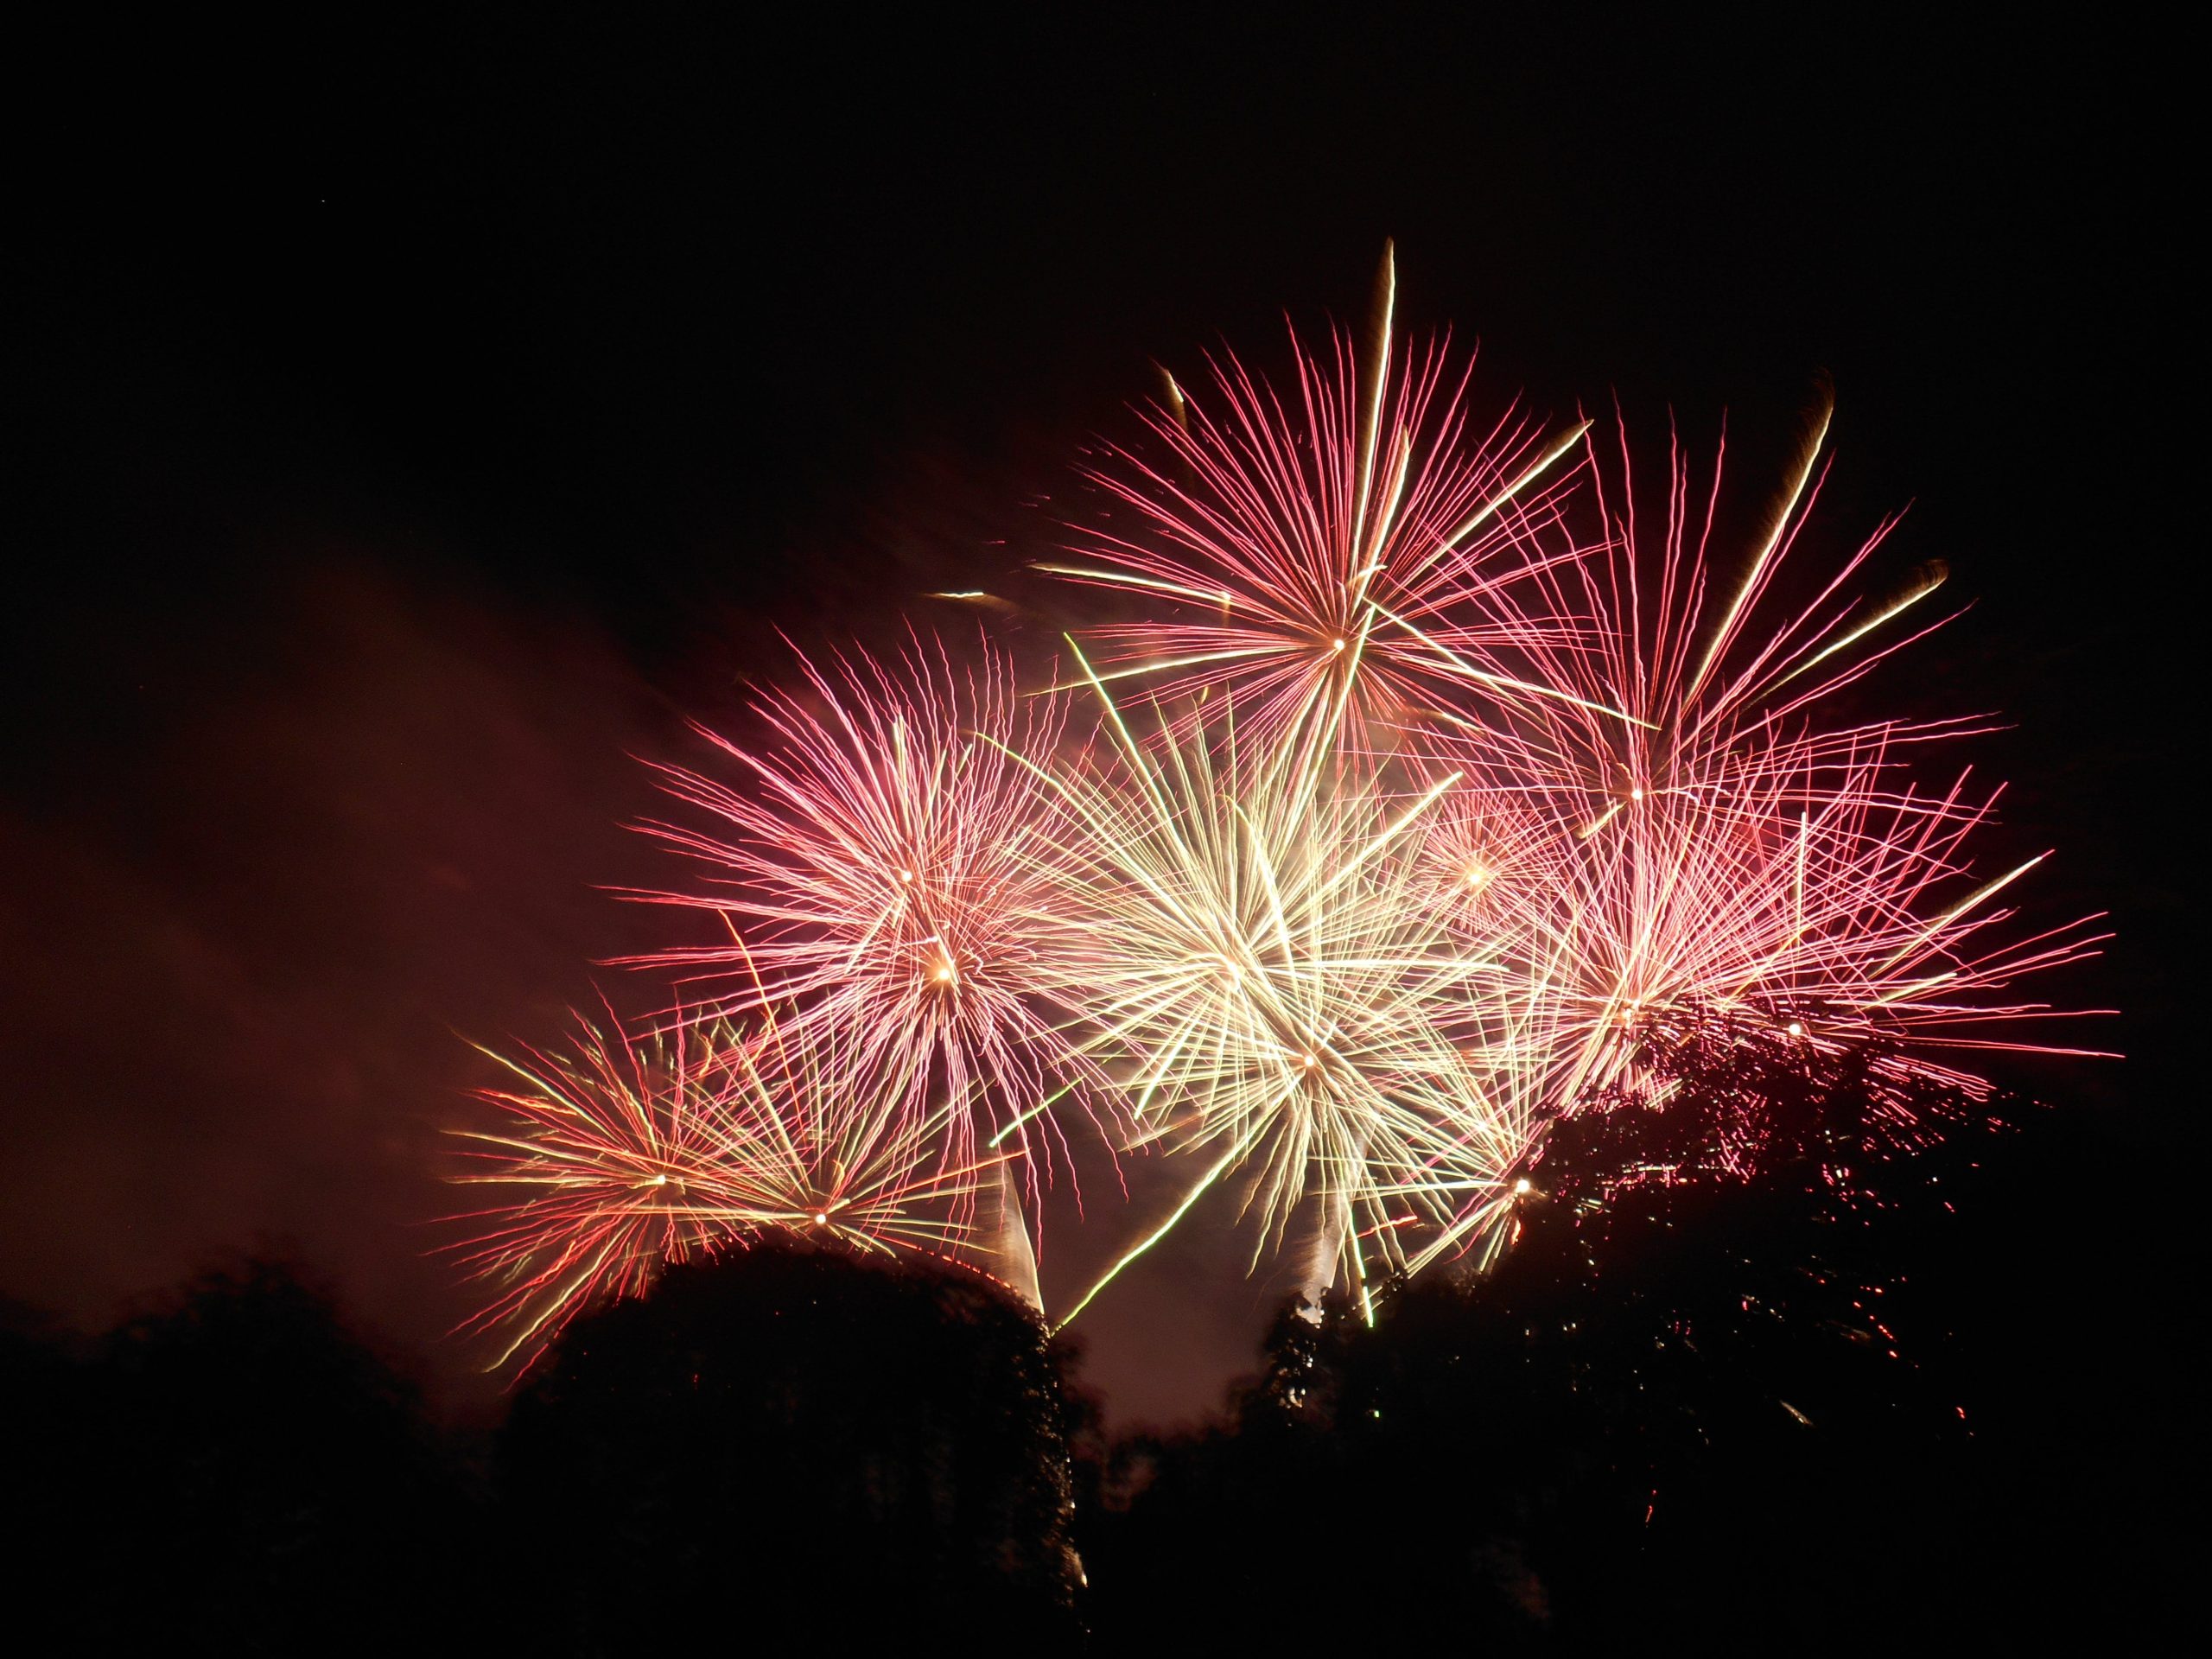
(1730, 848)
(1287, 1006)
(876, 862)
(613, 1156)
(1318, 563)
(1446, 782)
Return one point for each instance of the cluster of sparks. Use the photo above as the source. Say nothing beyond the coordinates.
(1437, 777)
(631, 1154)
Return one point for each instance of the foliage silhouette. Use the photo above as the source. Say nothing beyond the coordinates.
(798, 1447)
(1795, 1358)
(1733, 1383)
(233, 1469)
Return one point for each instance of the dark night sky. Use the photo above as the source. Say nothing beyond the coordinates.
(411, 424)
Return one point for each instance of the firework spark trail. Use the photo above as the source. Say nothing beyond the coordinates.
(1321, 567)
(619, 1155)
(1664, 823)
(1275, 992)
(881, 878)
(1458, 802)
(1730, 852)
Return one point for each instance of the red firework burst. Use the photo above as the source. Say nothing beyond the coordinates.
(618, 1155)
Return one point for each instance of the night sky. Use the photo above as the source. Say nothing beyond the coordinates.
(413, 427)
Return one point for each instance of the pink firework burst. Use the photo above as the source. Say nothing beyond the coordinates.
(1722, 846)
(877, 866)
(1468, 785)
(1316, 565)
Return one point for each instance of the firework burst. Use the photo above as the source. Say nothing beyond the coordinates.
(1458, 798)
(1281, 1001)
(618, 1155)
(1729, 851)
(881, 877)
(1322, 569)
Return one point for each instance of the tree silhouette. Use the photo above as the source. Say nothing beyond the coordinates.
(43, 1440)
(1726, 1385)
(1713, 1385)
(793, 1446)
(234, 1469)
(1783, 1353)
